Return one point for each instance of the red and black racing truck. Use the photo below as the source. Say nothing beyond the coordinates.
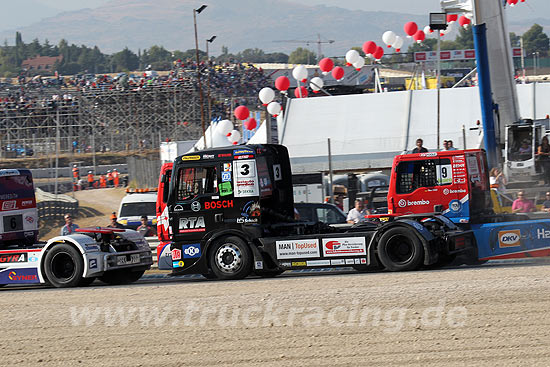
(229, 212)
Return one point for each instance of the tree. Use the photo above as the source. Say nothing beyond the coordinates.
(465, 39)
(514, 40)
(535, 40)
(302, 56)
(429, 44)
(124, 60)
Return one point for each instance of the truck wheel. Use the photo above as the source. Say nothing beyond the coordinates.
(230, 258)
(63, 266)
(400, 250)
(121, 276)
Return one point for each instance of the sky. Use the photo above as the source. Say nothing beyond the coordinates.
(37, 9)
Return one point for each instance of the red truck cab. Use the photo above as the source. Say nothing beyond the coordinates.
(163, 226)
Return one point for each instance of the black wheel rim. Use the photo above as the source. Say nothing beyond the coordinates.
(63, 266)
(400, 249)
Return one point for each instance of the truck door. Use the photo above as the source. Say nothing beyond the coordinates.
(196, 208)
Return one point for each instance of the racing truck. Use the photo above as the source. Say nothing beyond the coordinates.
(115, 256)
(227, 212)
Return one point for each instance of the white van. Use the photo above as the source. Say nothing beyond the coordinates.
(135, 204)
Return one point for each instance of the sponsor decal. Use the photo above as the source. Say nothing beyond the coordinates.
(29, 219)
(244, 157)
(247, 220)
(225, 188)
(251, 210)
(285, 264)
(178, 208)
(511, 238)
(195, 206)
(33, 257)
(191, 251)
(337, 262)
(9, 172)
(246, 183)
(176, 254)
(258, 265)
(318, 263)
(22, 276)
(298, 263)
(92, 247)
(403, 203)
(192, 224)
(9, 205)
(243, 151)
(226, 176)
(543, 233)
(218, 204)
(344, 246)
(433, 154)
(349, 262)
(208, 156)
(224, 155)
(190, 157)
(357, 261)
(26, 203)
(363, 261)
(13, 258)
(227, 167)
(297, 248)
(450, 191)
(455, 205)
(92, 263)
(178, 264)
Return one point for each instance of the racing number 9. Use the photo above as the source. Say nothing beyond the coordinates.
(443, 172)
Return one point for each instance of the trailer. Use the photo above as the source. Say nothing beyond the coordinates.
(115, 256)
(230, 212)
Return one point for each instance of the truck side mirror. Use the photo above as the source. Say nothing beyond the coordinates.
(165, 188)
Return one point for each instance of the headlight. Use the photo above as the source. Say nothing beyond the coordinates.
(123, 221)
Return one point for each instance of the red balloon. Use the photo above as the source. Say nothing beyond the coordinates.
(303, 90)
(452, 18)
(241, 112)
(410, 28)
(369, 47)
(282, 83)
(326, 64)
(419, 36)
(512, 2)
(250, 124)
(338, 72)
(378, 53)
(463, 21)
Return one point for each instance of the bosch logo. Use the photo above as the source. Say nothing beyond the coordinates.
(402, 203)
(195, 206)
(191, 251)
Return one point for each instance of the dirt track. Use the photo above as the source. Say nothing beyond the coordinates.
(491, 315)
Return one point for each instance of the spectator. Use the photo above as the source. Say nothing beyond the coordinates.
(525, 148)
(543, 156)
(419, 148)
(69, 227)
(522, 204)
(497, 179)
(144, 229)
(546, 203)
(450, 145)
(114, 223)
(357, 214)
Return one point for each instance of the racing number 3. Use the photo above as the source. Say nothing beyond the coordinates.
(245, 170)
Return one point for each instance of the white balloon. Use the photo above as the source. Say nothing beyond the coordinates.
(266, 95)
(352, 56)
(274, 108)
(316, 83)
(449, 29)
(224, 127)
(234, 137)
(427, 30)
(389, 37)
(359, 63)
(219, 140)
(299, 72)
(398, 43)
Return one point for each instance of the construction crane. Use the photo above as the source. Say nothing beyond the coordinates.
(319, 42)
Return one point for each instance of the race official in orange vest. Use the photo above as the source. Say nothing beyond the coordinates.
(90, 180)
(76, 173)
(115, 177)
(102, 181)
(109, 179)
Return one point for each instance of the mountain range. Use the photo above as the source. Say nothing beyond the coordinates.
(238, 24)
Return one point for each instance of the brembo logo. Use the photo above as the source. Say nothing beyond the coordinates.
(403, 203)
(509, 238)
(459, 191)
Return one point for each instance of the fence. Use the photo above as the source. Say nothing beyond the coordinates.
(144, 171)
(50, 206)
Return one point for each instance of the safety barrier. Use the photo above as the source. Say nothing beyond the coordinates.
(51, 206)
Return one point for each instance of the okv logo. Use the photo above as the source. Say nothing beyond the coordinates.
(511, 238)
(191, 251)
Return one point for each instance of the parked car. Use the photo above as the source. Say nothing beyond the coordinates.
(320, 212)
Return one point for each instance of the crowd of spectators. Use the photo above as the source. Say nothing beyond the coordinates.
(227, 81)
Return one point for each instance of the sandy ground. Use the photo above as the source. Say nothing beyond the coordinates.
(489, 315)
(95, 207)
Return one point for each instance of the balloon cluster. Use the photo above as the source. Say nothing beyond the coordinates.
(513, 3)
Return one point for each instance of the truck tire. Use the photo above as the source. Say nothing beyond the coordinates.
(63, 266)
(400, 250)
(230, 258)
(121, 276)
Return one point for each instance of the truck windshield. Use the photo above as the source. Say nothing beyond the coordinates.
(16, 187)
(412, 175)
(193, 181)
(137, 209)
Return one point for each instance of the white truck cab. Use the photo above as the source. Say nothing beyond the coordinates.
(136, 203)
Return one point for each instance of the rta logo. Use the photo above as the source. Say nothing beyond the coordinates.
(195, 206)
(402, 203)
